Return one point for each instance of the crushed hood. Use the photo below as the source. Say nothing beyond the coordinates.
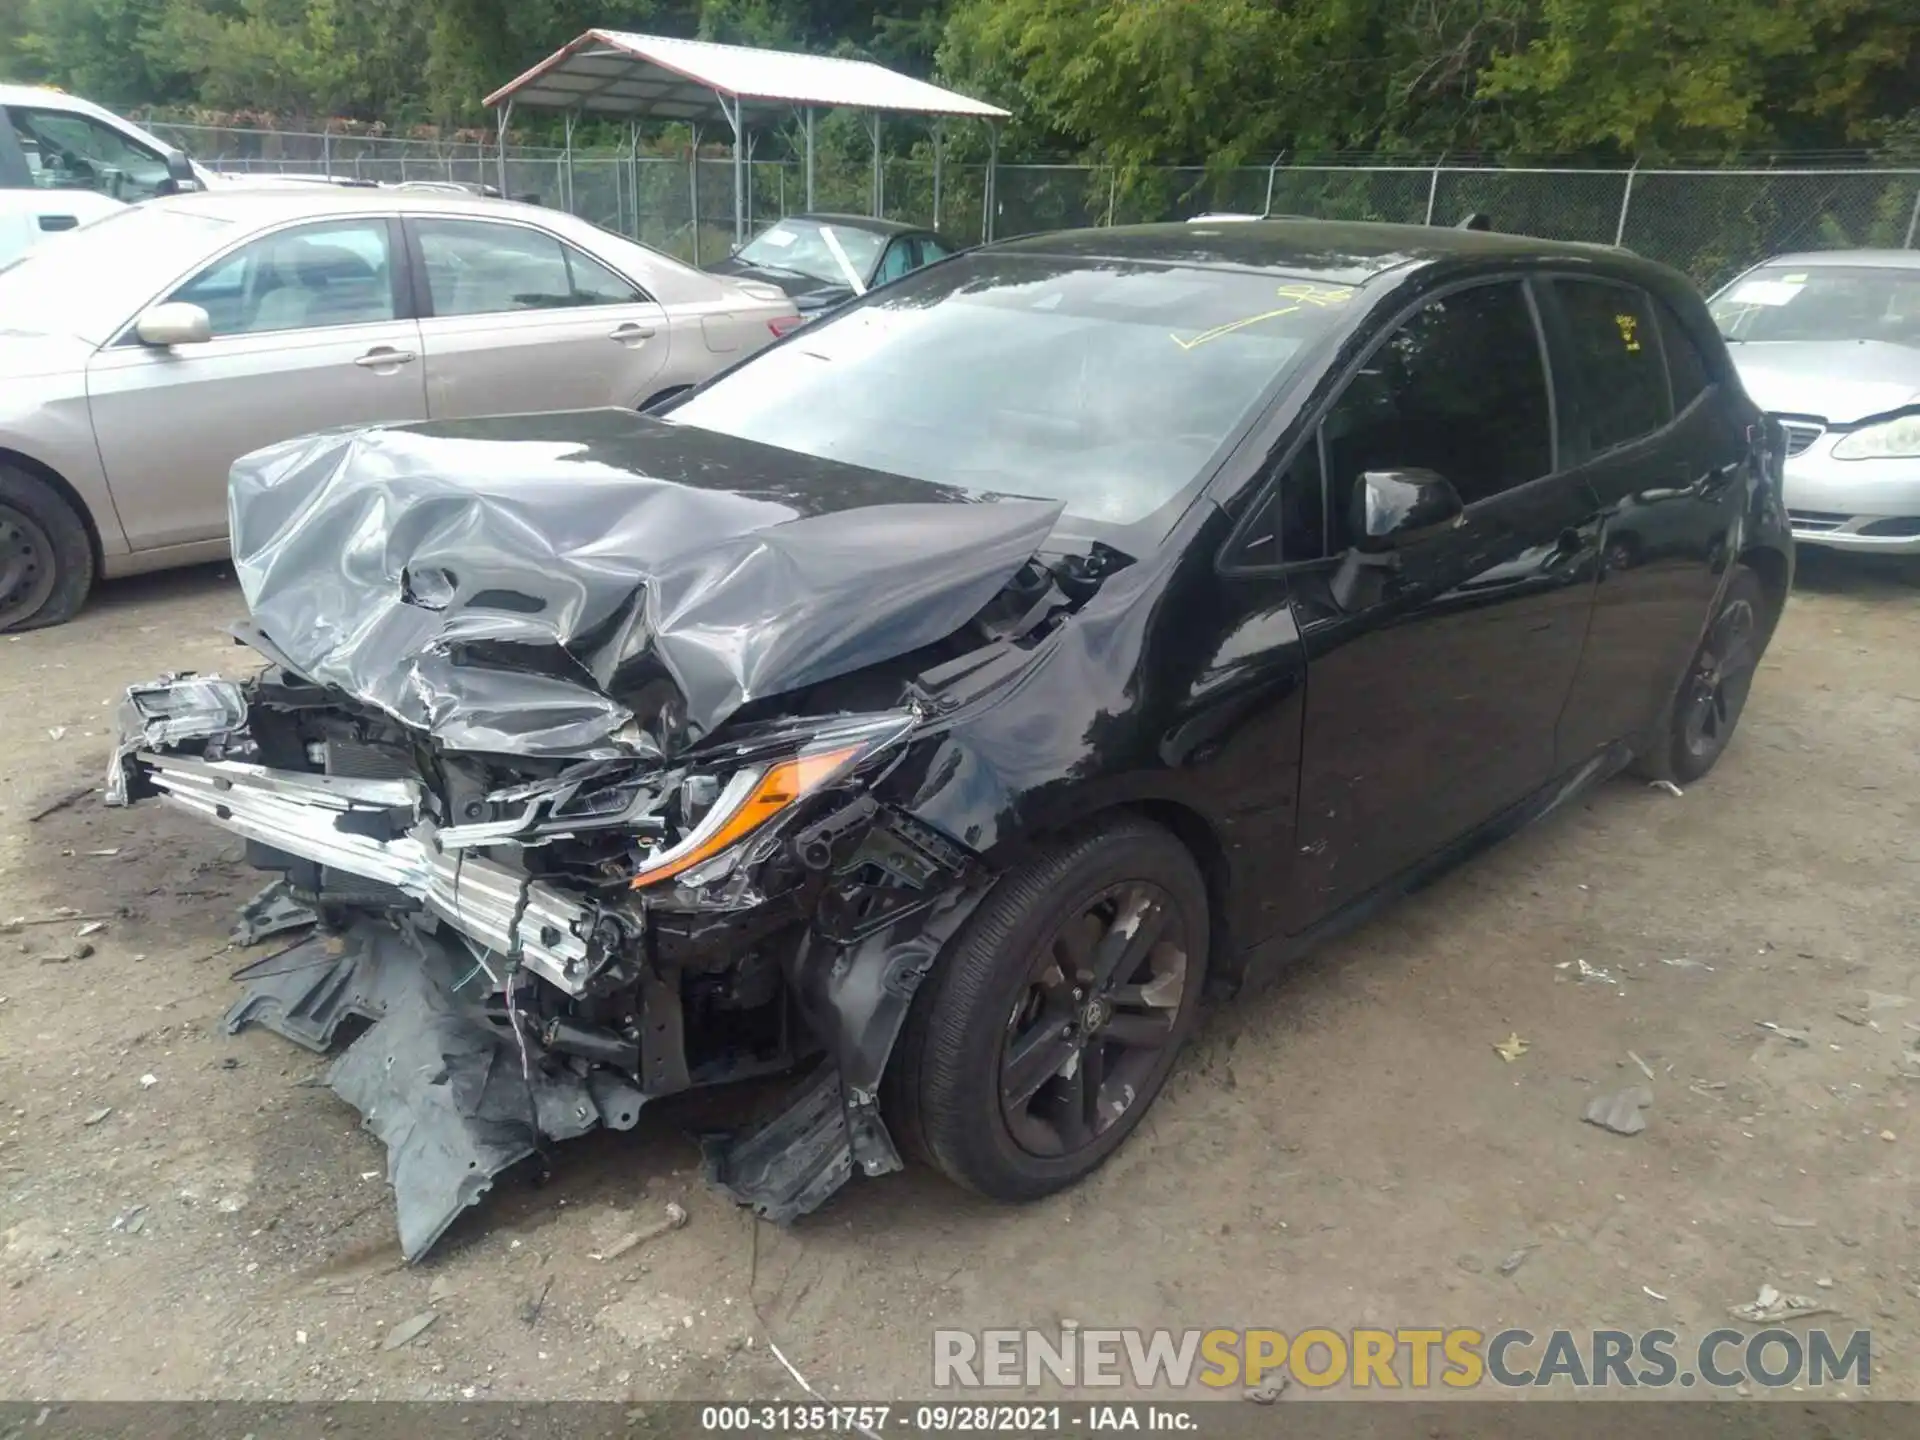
(1840, 381)
(535, 585)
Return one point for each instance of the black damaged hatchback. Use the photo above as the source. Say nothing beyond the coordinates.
(933, 706)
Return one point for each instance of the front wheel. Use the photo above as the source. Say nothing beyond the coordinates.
(46, 560)
(1052, 1021)
(1714, 693)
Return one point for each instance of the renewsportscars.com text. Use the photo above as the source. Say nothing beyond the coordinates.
(1414, 1359)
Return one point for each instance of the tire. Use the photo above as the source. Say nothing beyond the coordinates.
(995, 998)
(1707, 707)
(46, 558)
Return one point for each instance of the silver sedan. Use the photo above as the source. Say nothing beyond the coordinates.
(1830, 343)
(141, 355)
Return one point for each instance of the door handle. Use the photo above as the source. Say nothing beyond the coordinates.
(381, 356)
(54, 223)
(630, 331)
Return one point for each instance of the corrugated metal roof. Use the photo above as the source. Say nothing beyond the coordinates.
(616, 73)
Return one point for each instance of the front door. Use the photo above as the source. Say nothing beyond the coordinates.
(307, 334)
(1434, 683)
(517, 320)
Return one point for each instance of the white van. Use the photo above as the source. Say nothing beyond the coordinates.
(65, 161)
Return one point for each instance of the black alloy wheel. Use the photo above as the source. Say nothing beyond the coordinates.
(1086, 1032)
(1714, 693)
(1052, 1020)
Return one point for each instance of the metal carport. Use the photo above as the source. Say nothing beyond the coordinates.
(616, 74)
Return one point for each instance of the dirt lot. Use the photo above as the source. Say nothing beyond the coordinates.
(1343, 1147)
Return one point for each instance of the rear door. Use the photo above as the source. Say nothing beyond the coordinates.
(1434, 687)
(310, 330)
(1644, 420)
(514, 319)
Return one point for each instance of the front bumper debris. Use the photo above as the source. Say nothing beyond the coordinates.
(446, 1090)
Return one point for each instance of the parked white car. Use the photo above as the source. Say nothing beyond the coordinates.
(65, 161)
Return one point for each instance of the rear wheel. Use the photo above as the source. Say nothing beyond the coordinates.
(1714, 693)
(1052, 1021)
(46, 561)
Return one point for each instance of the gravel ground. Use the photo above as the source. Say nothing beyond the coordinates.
(187, 1215)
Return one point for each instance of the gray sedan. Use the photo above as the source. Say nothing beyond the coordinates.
(1830, 343)
(141, 355)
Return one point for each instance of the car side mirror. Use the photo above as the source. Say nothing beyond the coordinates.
(174, 323)
(1393, 509)
(181, 178)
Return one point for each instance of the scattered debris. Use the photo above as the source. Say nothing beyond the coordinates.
(97, 1116)
(1793, 1222)
(60, 915)
(149, 1080)
(61, 802)
(1593, 972)
(57, 732)
(1645, 1069)
(1512, 1048)
(530, 1312)
(1853, 1017)
(1620, 1112)
(131, 1220)
(1683, 963)
(106, 854)
(1653, 1293)
(1666, 785)
(1825, 1282)
(407, 1331)
(1517, 1258)
(92, 927)
(272, 912)
(1264, 1394)
(675, 1217)
(1888, 1136)
(1882, 1000)
(1770, 1305)
(1470, 1263)
(441, 1289)
(1792, 1037)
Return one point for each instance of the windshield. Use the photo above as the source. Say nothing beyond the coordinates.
(91, 281)
(808, 247)
(1105, 386)
(1822, 302)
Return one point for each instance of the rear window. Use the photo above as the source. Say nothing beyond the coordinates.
(1617, 356)
(1107, 386)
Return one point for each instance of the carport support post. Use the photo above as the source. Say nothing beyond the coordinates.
(693, 187)
(993, 181)
(739, 170)
(809, 157)
(566, 161)
(1913, 219)
(939, 152)
(879, 177)
(504, 114)
(633, 171)
(1626, 199)
(1433, 187)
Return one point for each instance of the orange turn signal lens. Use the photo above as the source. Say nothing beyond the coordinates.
(784, 783)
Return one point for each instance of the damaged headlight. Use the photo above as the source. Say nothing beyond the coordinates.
(775, 773)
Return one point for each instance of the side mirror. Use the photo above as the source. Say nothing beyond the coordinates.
(181, 179)
(1393, 509)
(174, 323)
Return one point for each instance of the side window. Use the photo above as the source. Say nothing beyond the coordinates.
(1686, 369)
(480, 267)
(1457, 389)
(65, 151)
(336, 273)
(932, 250)
(898, 261)
(1616, 356)
(595, 284)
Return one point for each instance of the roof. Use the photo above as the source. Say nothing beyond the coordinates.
(1866, 259)
(857, 222)
(615, 72)
(1347, 252)
(265, 204)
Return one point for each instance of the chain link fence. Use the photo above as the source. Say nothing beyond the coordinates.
(1707, 223)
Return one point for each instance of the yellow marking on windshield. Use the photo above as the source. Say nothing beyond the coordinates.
(1300, 294)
